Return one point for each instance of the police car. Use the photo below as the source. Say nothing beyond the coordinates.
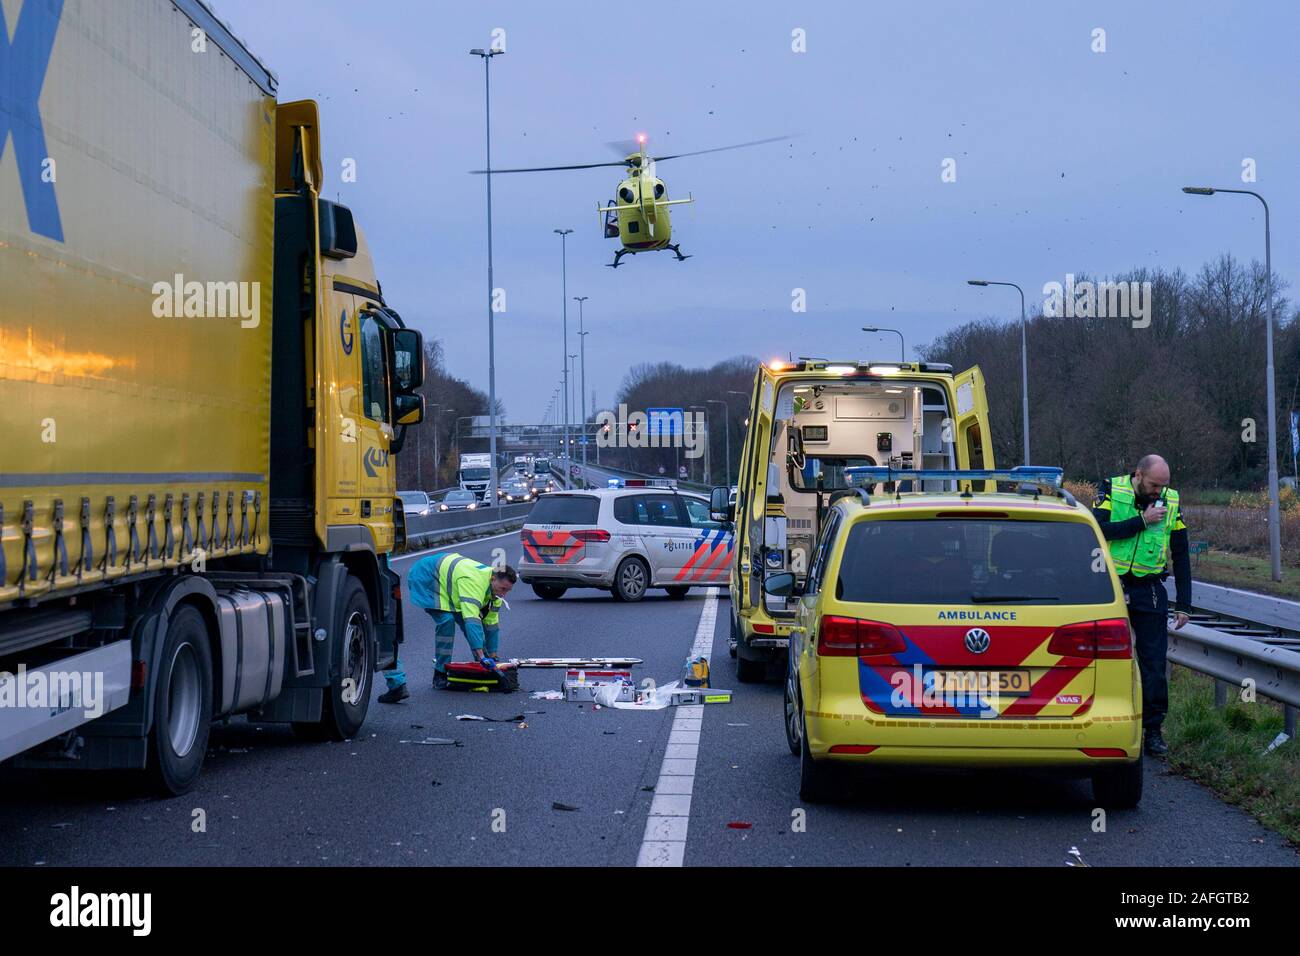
(625, 540)
(954, 628)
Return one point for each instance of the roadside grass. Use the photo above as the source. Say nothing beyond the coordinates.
(1246, 571)
(1225, 751)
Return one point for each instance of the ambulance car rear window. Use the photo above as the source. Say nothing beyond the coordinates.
(972, 561)
(565, 509)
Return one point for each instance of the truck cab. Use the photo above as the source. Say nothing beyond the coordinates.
(809, 421)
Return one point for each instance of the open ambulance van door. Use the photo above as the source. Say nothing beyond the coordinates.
(971, 433)
(751, 497)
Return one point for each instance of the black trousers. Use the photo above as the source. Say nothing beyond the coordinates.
(1148, 610)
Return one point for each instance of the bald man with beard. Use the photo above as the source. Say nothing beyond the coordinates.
(1142, 523)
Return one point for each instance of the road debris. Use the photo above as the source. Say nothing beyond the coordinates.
(564, 806)
(496, 720)
(739, 825)
(434, 742)
(1078, 857)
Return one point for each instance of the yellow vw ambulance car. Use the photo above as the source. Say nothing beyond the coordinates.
(955, 628)
(809, 421)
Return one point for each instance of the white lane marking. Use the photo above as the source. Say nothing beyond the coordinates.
(664, 842)
(417, 554)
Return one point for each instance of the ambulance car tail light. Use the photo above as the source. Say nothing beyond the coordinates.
(598, 535)
(1100, 640)
(851, 637)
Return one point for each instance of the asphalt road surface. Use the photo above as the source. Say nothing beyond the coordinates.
(658, 787)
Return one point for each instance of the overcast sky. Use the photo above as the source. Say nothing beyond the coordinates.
(1066, 160)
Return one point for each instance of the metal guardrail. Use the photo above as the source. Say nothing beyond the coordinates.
(426, 530)
(1236, 636)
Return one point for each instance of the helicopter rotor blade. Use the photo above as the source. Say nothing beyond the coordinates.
(547, 169)
(720, 149)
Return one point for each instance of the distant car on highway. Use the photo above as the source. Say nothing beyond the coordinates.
(459, 500)
(625, 541)
(415, 503)
(541, 484)
(515, 490)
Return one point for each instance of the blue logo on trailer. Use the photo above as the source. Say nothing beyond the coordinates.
(23, 65)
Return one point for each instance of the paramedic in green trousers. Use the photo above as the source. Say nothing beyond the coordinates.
(1142, 522)
(454, 590)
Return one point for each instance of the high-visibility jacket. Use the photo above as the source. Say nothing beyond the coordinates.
(455, 584)
(1146, 552)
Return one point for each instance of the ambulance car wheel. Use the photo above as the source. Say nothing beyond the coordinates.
(793, 727)
(347, 699)
(549, 592)
(182, 712)
(816, 780)
(631, 580)
(677, 593)
(1118, 786)
(747, 671)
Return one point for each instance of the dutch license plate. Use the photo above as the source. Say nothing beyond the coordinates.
(1013, 683)
(552, 550)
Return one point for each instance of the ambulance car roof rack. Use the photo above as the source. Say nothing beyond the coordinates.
(1044, 478)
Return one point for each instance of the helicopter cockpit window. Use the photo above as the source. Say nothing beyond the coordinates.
(659, 190)
(634, 226)
(626, 194)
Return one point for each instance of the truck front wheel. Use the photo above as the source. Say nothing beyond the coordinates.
(347, 700)
(182, 713)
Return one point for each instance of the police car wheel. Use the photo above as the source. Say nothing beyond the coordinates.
(549, 592)
(677, 593)
(1118, 786)
(631, 580)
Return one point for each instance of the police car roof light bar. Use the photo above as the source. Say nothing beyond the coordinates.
(650, 483)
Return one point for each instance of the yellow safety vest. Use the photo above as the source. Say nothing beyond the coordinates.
(1148, 551)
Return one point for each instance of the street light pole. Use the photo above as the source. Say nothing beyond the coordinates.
(571, 364)
(1274, 504)
(902, 346)
(1024, 357)
(486, 56)
(726, 432)
(582, 394)
(564, 303)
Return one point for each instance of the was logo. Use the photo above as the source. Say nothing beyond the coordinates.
(374, 459)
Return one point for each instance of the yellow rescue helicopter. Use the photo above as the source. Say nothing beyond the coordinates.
(638, 217)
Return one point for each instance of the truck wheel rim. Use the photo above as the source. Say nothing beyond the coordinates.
(633, 578)
(358, 653)
(184, 700)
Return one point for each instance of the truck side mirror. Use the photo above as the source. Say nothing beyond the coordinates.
(407, 359)
(720, 507)
(408, 409)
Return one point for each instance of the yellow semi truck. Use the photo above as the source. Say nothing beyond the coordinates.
(202, 389)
